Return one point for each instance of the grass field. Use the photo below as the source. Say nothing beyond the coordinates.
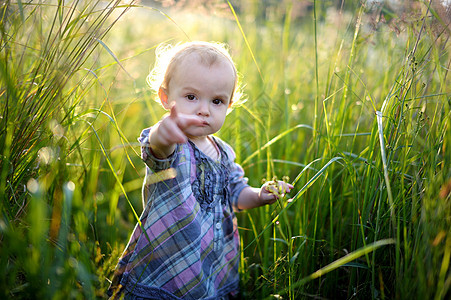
(351, 101)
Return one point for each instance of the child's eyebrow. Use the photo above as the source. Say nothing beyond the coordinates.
(190, 89)
(222, 96)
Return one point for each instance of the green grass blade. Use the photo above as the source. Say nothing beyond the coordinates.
(384, 162)
(342, 261)
(275, 139)
(245, 39)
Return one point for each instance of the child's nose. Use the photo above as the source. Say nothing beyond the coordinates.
(203, 109)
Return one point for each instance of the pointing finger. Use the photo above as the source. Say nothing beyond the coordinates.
(184, 121)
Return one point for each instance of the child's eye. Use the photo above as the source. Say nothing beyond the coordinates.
(190, 97)
(217, 101)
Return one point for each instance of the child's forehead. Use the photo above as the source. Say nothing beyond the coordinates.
(204, 57)
(184, 62)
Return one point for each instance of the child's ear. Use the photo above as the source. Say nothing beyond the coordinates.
(163, 98)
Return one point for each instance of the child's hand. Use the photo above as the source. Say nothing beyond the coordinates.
(169, 131)
(172, 127)
(273, 190)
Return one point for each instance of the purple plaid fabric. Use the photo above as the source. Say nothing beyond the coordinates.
(187, 245)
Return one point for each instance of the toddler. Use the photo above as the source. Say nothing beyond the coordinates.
(187, 244)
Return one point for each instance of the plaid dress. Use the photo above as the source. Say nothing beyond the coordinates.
(187, 246)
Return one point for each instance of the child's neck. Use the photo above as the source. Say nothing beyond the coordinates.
(207, 146)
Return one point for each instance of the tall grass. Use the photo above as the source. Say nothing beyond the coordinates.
(366, 157)
(48, 183)
(351, 102)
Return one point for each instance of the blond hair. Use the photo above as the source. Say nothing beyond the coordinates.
(169, 57)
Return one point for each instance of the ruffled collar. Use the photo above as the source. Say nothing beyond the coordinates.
(212, 177)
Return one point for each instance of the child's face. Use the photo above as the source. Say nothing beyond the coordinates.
(203, 91)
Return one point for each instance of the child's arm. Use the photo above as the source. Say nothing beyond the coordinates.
(170, 131)
(268, 194)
